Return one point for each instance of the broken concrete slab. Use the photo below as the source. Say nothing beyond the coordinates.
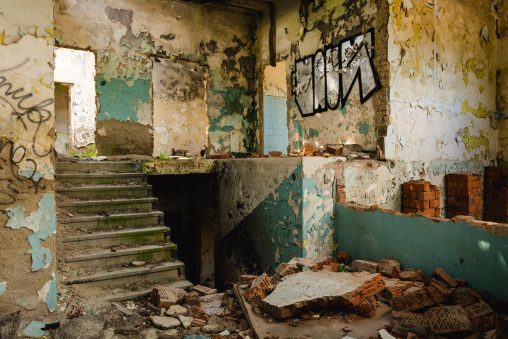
(307, 290)
(315, 328)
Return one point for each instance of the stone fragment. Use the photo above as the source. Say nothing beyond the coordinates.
(307, 290)
(389, 268)
(213, 328)
(364, 266)
(442, 275)
(412, 275)
(164, 322)
(186, 321)
(448, 319)
(383, 334)
(164, 297)
(204, 290)
(138, 263)
(173, 333)
(176, 310)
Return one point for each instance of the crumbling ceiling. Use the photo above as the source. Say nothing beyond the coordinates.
(256, 6)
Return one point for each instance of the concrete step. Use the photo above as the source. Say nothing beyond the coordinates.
(150, 254)
(128, 220)
(129, 295)
(106, 192)
(101, 178)
(151, 274)
(99, 166)
(136, 205)
(145, 235)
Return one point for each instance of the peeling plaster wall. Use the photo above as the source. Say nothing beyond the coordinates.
(27, 199)
(128, 35)
(502, 78)
(78, 68)
(443, 81)
(180, 113)
(304, 27)
(476, 252)
(260, 215)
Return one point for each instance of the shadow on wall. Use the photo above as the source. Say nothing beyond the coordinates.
(270, 234)
(466, 250)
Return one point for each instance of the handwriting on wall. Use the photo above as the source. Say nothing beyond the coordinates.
(324, 81)
(30, 117)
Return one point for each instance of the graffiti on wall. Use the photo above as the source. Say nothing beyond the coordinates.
(30, 117)
(325, 80)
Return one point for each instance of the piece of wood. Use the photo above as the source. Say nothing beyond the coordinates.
(309, 290)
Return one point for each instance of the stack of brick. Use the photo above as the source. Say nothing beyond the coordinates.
(421, 197)
(464, 195)
(496, 194)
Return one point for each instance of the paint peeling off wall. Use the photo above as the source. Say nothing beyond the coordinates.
(311, 35)
(27, 211)
(128, 36)
(502, 79)
(180, 109)
(443, 81)
(78, 69)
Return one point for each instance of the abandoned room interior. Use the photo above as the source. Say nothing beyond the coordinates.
(254, 169)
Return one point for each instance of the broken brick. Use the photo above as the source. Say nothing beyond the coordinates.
(364, 265)
(260, 288)
(164, 297)
(443, 276)
(204, 290)
(389, 268)
(448, 319)
(412, 275)
(366, 308)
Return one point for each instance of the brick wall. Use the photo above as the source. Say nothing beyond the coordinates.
(421, 197)
(464, 195)
(496, 194)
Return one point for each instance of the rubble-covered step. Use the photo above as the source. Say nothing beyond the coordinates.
(143, 292)
(99, 166)
(101, 178)
(106, 192)
(135, 205)
(151, 274)
(115, 220)
(143, 235)
(149, 254)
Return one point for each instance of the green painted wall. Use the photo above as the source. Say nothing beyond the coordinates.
(122, 99)
(272, 232)
(464, 250)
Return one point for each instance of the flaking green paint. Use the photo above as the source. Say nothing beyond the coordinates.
(363, 127)
(43, 224)
(35, 329)
(121, 99)
(313, 133)
(462, 249)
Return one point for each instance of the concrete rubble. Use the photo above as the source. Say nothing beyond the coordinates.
(434, 306)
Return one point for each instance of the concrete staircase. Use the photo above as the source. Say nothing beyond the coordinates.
(109, 234)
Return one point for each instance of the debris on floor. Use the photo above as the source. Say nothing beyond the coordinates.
(371, 299)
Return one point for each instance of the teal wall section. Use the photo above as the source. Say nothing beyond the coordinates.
(275, 124)
(271, 233)
(121, 99)
(465, 251)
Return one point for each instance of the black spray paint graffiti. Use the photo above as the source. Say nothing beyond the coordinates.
(325, 80)
(11, 156)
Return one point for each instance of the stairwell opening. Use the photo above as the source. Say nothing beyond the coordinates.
(189, 203)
